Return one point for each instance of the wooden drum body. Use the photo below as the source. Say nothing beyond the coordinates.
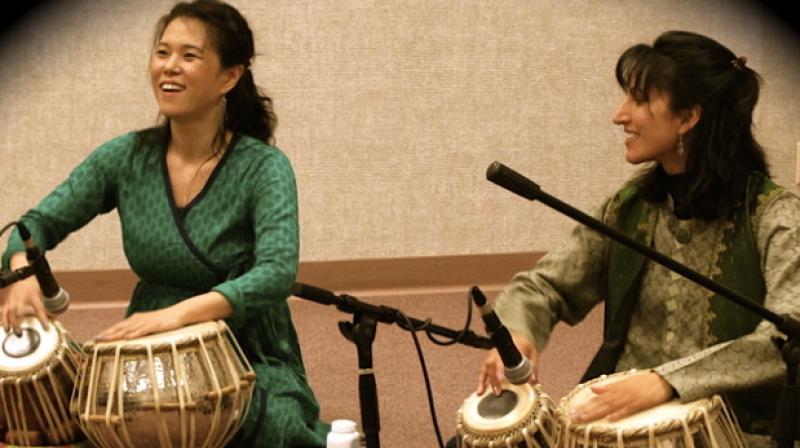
(702, 423)
(37, 376)
(182, 388)
(521, 416)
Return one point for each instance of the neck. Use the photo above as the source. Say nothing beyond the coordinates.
(673, 163)
(195, 138)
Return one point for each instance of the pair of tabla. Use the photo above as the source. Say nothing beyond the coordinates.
(183, 388)
(523, 416)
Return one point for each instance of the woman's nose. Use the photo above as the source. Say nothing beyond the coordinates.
(172, 65)
(621, 115)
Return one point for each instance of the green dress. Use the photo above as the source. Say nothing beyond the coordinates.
(238, 237)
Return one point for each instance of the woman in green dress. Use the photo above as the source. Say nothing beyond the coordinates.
(208, 210)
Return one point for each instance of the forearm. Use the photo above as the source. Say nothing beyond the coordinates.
(750, 361)
(202, 308)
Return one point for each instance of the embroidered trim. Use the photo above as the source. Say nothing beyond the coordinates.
(649, 225)
(714, 272)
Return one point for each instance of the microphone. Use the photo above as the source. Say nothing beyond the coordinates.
(513, 181)
(56, 300)
(518, 369)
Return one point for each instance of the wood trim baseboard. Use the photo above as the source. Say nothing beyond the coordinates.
(412, 273)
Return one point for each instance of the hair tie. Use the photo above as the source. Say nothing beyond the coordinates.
(739, 63)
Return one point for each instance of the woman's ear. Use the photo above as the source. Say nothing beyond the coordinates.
(689, 118)
(231, 76)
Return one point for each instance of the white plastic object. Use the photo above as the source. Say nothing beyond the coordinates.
(343, 435)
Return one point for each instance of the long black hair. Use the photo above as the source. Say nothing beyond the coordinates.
(694, 70)
(248, 110)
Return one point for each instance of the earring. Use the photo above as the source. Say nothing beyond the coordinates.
(681, 148)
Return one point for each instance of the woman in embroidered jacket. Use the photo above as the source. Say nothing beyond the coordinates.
(707, 202)
(209, 216)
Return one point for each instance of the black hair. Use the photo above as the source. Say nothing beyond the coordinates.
(248, 110)
(694, 70)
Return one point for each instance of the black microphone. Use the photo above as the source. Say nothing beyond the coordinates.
(513, 181)
(518, 369)
(56, 300)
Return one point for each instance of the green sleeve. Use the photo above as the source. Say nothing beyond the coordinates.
(87, 192)
(275, 222)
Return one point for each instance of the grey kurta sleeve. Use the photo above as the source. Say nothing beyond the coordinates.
(751, 360)
(565, 284)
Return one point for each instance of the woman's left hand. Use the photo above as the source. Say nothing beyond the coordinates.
(142, 324)
(625, 397)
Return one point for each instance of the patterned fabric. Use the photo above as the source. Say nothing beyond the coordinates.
(669, 329)
(239, 237)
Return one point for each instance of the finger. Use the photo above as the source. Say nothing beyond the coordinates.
(6, 323)
(619, 414)
(13, 321)
(41, 314)
(497, 381)
(600, 389)
(589, 412)
(481, 382)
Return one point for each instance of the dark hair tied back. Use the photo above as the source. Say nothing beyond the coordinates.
(694, 70)
(248, 110)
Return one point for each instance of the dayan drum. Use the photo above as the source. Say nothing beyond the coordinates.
(37, 375)
(183, 388)
(521, 416)
(701, 423)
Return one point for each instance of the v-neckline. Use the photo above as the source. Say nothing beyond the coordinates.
(183, 211)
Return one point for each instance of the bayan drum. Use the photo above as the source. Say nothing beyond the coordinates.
(521, 416)
(37, 375)
(702, 423)
(183, 388)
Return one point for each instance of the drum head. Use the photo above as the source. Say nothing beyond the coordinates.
(33, 348)
(488, 412)
(179, 336)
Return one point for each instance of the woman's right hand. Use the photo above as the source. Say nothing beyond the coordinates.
(22, 298)
(492, 369)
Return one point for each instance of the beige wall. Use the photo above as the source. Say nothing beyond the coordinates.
(389, 110)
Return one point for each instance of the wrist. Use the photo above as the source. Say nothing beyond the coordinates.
(17, 261)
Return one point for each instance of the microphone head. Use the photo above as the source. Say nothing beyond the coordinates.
(477, 296)
(58, 303)
(521, 373)
(512, 181)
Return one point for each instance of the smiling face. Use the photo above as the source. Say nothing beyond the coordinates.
(653, 131)
(186, 75)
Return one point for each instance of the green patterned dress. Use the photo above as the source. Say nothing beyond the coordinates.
(238, 237)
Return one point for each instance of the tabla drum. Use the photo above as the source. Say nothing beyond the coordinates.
(38, 369)
(701, 423)
(183, 388)
(521, 416)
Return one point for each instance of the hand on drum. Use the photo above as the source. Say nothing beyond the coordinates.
(23, 298)
(142, 324)
(625, 397)
(492, 368)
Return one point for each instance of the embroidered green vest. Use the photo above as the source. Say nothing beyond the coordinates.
(738, 267)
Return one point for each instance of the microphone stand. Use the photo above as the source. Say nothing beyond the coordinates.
(9, 277)
(788, 413)
(361, 332)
